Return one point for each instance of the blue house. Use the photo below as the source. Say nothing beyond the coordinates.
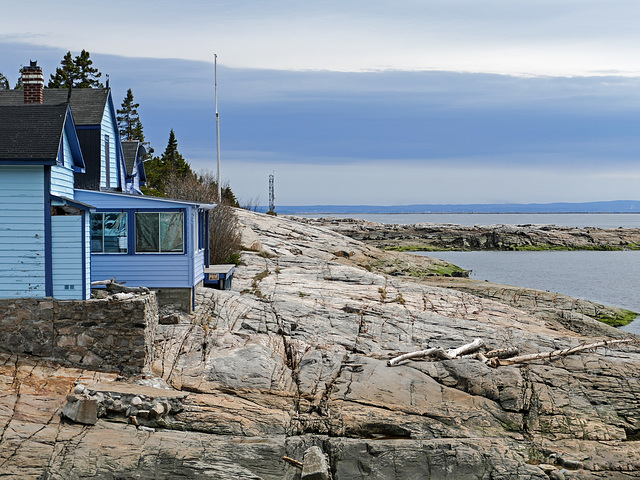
(134, 153)
(147, 241)
(44, 231)
(71, 207)
(94, 115)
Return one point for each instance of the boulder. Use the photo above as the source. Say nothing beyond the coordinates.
(315, 466)
(80, 409)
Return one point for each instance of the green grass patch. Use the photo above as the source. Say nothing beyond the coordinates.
(449, 270)
(622, 318)
(235, 259)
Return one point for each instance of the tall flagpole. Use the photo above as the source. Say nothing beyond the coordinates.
(215, 67)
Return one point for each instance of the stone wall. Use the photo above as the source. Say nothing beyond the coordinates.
(106, 333)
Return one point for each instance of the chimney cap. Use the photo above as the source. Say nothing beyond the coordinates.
(33, 67)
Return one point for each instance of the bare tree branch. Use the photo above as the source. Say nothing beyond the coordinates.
(497, 362)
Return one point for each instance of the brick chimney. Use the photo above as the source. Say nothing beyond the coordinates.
(32, 83)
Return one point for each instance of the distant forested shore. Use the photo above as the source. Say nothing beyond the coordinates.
(616, 206)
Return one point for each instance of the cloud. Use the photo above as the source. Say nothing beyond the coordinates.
(385, 137)
(573, 37)
(400, 183)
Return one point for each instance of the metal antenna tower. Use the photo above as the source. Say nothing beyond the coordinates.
(215, 70)
(272, 197)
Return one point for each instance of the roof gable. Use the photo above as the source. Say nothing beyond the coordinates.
(87, 104)
(132, 150)
(31, 133)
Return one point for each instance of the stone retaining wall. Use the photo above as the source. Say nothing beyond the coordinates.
(106, 333)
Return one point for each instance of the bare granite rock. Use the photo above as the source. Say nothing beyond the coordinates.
(295, 356)
(482, 237)
(315, 466)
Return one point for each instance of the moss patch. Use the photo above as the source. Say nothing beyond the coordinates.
(618, 319)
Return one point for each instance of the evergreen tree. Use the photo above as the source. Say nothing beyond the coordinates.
(88, 75)
(75, 72)
(129, 123)
(171, 157)
(19, 82)
(170, 164)
(4, 83)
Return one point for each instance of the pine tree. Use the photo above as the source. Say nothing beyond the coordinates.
(4, 83)
(65, 75)
(129, 123)
(77, 73)
(170, 164)
(88, 75)
(172, 158)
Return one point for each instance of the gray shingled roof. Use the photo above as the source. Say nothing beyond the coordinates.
(130, 150)
(87, 104)
(31, 132)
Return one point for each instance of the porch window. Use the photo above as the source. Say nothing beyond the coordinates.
(109, 232)
(160, 232)
(201, 225)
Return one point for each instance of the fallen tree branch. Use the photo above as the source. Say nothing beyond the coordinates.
(407, 356)
(439, 352)
(474, 346)
(503, 352)
(497, 362)
(110, 281)
(114, 287)
(293, 462)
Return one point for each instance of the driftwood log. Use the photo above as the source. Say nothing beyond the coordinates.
(293, 462)
(497, 362)
(500, 357)
(114, 287)
(440, 353)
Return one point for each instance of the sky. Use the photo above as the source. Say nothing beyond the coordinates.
(369, 103)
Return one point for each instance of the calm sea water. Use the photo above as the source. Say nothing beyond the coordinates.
(610, 278)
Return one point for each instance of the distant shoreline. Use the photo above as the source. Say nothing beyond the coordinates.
(461, 213)
(608, 207)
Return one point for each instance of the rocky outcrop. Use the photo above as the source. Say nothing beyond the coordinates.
(295, 357)
(428, 236)
(582, 316)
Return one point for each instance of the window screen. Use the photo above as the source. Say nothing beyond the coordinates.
(109, 232)
(160, 232)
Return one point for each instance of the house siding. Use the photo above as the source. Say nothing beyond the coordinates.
(149, 270)
(87, 253)
(22, 232)
(108, 128)
(62, 176)
(68, 270)
(169, 270)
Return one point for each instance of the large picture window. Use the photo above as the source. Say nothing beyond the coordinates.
(160, 232)
(109, 232)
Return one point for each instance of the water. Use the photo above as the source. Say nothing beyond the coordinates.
(599, 220)
(610, 278)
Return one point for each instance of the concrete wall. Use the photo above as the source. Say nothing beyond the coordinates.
(105, 334)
